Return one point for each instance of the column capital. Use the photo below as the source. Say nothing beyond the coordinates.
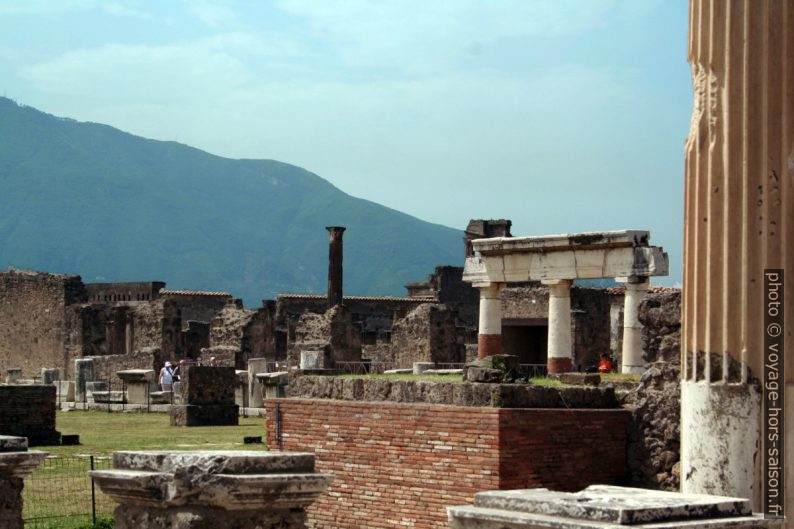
(489, 287)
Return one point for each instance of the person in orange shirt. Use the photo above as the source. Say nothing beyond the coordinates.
(605, 365)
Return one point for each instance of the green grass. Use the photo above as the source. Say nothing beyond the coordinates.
(546, 382)
(102, 433)
(620, 377)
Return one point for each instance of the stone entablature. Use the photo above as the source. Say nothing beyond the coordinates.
(556, 261)
(229, 489)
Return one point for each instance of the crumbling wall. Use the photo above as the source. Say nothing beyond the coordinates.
(334, 328)
(427, 334)
(157, 325)
(197, 306)
(590, 325)
(250, 332)
(33, 319)
(106, 367)
(660, 315)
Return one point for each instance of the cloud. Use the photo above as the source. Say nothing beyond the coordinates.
(48, 7)
(419, 36)
(209, 66)
(213, 15)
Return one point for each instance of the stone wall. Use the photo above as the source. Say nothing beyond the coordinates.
(29, 411)
(33, 319)
(123, 292)
(427, 334)
(660, 315)
(158, 325)
(106, 366)
(403, 464)
(450, 393)
(250, 332)
(197, 306)
(334, 329)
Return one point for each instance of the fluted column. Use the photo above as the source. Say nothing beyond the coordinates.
(559, 358)
(739, 217)
(489, 337)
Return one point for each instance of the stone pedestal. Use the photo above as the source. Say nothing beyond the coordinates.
(200, 490)
(83, 373)
(15, 463)
(560, 352)
(605, 507)
(241, 388)
(13, 375)
(50, 375)
(421, 367)
(137, 382)
(274, 384)
(631, 356)
(64, 390)
(489, 337)
(207, 397)
(255, 365)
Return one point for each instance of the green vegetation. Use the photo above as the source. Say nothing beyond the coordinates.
(455, 379)
(102, 433)
(620, 377)
(88, 199)
(546, 382)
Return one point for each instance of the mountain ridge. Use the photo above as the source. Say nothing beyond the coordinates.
(90, 199)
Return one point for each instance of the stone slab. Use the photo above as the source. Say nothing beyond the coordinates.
(136, 375)
(443, 372)
(215, 461)
(619, 505)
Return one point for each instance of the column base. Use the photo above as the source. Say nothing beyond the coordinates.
(632, 370)
(558, 365)
(489, 345)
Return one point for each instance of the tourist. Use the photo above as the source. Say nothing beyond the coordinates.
(605, 365)
(166, 377)
(177, 373)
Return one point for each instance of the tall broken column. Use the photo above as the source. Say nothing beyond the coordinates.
(335, 265)
(739, 217)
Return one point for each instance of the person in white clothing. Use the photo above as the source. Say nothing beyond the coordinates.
(166, 377)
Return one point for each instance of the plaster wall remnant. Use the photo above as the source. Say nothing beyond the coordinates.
(738, 221)
(427, 334)
(16, 462)
(198, 490)
(556, 260)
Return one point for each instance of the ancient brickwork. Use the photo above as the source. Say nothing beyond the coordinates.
(197, 305)
(403, 464)
(32, 318)
(427, 334)
(158, 325)
(29, 411)
(123, 292)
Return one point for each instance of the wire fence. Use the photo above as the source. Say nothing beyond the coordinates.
(60, 490)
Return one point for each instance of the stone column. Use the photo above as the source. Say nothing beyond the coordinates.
(631, 356)
(738, 221)
(489, 338)
(255, 365)
(560, 353)
(83, 373)
(335, 265)
(15, 463)
(196, 490)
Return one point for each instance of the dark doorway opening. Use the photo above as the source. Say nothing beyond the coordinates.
(526, 338)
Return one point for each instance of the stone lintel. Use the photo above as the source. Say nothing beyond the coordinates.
(567, 264)
(604, 507)
(562, 242)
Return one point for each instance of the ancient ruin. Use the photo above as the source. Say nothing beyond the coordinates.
(16, 462)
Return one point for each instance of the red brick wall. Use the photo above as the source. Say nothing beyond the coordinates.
(400, 465)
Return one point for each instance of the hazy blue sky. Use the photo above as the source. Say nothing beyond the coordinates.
(561, 115)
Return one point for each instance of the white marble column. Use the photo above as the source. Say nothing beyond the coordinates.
(632, 328)
(489, 339)
(560, 352)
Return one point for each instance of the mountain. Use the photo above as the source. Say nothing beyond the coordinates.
(88, 199)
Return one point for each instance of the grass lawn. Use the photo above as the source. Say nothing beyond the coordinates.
(58, 493)
(102, 433)
(455, 379)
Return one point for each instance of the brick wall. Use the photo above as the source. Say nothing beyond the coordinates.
(400, 465)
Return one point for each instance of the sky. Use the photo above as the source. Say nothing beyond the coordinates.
(561, 115)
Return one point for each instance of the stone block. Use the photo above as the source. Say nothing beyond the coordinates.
(13, 374)
(578, 379)
(50, 375)
(83, 373)
(313, 359)
(208, 385)
(421, 367)
(605, 506)
(255, 365)
(64, 390)
(29, 411)
(199, 490)
(204, 415)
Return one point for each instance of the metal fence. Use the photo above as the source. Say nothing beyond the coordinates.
(60, 491)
